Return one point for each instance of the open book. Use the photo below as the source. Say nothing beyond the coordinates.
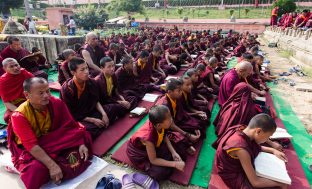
(280, 133)
(271, 167)
(171, 77)
(260, 100)
(138, 111)
(150, 97)
(194, 55)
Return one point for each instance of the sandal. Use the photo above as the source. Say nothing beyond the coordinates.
(127, 182)
(104, 181)
(145, 181)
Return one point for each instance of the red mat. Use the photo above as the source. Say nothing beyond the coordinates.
(55, 86)
(178, 177)
(115, 132)
(294, 168)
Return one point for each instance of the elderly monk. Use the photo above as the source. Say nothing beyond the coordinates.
(11, 86)
(232, 78)
(92, 53)
(45, 141)
(14, 50)
(81, 96)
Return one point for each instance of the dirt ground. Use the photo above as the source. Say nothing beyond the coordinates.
(301, 102)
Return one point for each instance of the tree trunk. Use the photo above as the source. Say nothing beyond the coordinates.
(28, 13)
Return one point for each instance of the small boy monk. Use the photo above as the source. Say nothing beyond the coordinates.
(238, 149)
(150, 148)
(64, 73)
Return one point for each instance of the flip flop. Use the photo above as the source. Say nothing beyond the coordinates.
(127, 182)
(114, 184)
(104, 181)
(145, 181)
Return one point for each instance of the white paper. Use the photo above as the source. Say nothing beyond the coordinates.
(138, 111)
(280, 133)
(97, 165)
(171, 77)
(261, 98)
(194, 55)
(6, 161)
(150, 97)
(185, 65)
(271, 167)
(216, 76)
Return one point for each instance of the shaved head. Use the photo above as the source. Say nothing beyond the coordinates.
(244, 69)
(90, 35)
(92, 39)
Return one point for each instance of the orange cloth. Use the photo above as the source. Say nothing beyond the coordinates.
(40, 121)
(109, 85)
(174, 105)
(231, 150)
(80, 88)
(274, 12)
(141, 64)
(160, 137)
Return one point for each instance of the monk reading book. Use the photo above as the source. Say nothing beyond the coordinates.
(11, 86)
(45, 141)
(151, 149)
(238, 149)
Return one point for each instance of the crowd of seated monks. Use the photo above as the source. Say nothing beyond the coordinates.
(106, 78)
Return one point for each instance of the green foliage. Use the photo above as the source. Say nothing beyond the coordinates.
(126, 6)
(180, 10)
(247, 11)
(231, 12)
(6, 5)
(89, 16)
(285, 6)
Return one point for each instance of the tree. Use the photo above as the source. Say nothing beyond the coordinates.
(89, 16)
(5, 6)
(126, 6)
(285, 6)
(180, 11)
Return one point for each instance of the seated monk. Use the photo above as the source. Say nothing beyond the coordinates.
(192, 106)
(11, 86)
(240, 49)
(81, 96)
(153, 59)
(126, 81)
(42, 61)
(208, 77)
(172, 100)
(114, 104)
(30, 63)
(151, 149)
(232, 78)
(238, 149)
(14, 50)
(1, 67)
(143, 69)
(114, 53)
(92, 53)
(64, 73)
(46, 143)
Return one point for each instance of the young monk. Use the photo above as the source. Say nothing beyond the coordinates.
(208, 77)
(158, 72)
(81, 96)
(45, 142)
(172, 100)
(150, 148)
(112, 101)
(11, 86)
(238, 149)
(191, 105)
(64, 73)
(126, 80)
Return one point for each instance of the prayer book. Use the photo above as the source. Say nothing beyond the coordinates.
(150, 97)
(228, 58)
(260, 100)
(271, 167)
(138, 111)
(194, 55)
(217, 76)
(262, 71)
(280, 133)
(185, 65)
(171, 77)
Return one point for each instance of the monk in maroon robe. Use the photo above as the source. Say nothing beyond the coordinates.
(11, 86)
(240, 49)
(114, 53)
(238, 109)
(81, 96)
(14, 50)
(112, 101)
(153, 59)
(126, 81)
(1, 67)
(237, 150)
(46, 143)
(64, 73)
(208, 77)
(231, 79)
(92, 53)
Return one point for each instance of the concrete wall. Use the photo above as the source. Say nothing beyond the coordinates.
(55, 16)
(50, 45)
(298, 42)
(239, 27)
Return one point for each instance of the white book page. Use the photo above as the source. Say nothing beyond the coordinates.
(171, 77)
(271, 167)
(280, 133)
(150, 97)
(138, 110)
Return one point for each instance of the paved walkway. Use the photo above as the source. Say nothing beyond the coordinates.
(261, 20)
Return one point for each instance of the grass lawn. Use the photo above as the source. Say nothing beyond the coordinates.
(201, 13)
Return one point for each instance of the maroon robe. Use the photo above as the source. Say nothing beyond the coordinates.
(96, 55)
(238, 109)
(205, 76)
(63, 68)
(228, 82)
(239, 50)
(188, 101)
(69, 134)
(112, 108)
(145, 73)
(9, 53)
(136, 151)
(230, 169)
(118, 56)
(85, 106)
(128, 85)
(154, 61)
(183, 120)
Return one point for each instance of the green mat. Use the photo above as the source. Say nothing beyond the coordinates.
(201, 174)
(302, 141)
